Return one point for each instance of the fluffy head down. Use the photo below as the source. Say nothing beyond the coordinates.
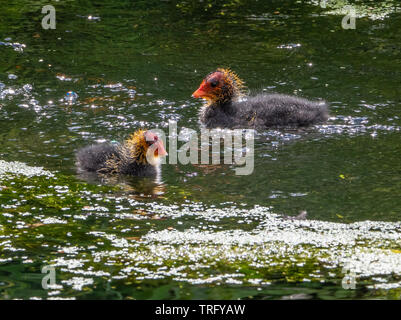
(141, 149)
(220, 86)
(144, 146)
(137, 156)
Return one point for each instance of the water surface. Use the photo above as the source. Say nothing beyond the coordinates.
(136, 65)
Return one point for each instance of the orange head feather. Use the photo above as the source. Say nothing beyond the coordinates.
(220, 86)
(139, 143)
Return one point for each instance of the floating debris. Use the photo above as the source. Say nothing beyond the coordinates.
(19, 47)
(192, 242)
(63, 77)
(301, 216)
(71, 97)
(289, 46)
(20, 168)
(376, 11)
(90, 17)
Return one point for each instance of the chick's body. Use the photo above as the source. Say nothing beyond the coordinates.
(228, 107)
(264, 111)
(129, 158)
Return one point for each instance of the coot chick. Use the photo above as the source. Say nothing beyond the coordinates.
(228, 107)
(136, 156)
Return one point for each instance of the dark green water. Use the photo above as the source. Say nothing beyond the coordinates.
(135, 64)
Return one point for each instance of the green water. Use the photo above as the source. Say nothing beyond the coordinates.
(135, 64)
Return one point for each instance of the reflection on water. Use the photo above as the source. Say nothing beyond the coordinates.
(135, 187)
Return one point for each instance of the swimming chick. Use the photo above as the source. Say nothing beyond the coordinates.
(228, 107)
(136, 156)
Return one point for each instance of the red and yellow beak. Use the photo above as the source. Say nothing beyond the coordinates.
(160, 150)
(155, 144)
(198, 94)
(202, 93)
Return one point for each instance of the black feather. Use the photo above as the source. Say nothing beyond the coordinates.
(107, 158)
(264, 111)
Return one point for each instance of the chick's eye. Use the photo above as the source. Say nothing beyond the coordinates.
(214, 83)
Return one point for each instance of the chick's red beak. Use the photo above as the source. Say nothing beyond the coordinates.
(199, 93)
(202, 92)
